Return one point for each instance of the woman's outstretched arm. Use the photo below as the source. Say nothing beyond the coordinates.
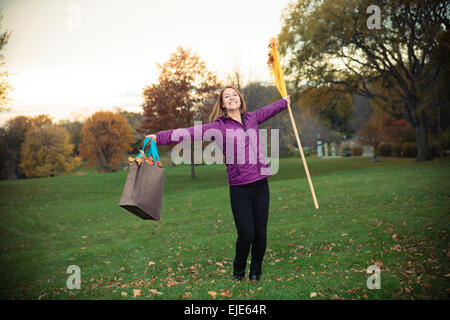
(178, 135)
(267, 112)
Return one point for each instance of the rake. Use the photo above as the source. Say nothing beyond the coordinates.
(276, 75)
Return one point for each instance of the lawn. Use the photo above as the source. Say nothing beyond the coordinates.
(393, 214)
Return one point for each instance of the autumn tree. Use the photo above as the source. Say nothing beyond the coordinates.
(42, 120)
(74, 129)
(47, 151)
(5, 86)
(12, 135)
(106, 139)
(330, 42)
(374, 132)
(185, 92)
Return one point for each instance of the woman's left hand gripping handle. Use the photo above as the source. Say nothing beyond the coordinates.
(152, 136)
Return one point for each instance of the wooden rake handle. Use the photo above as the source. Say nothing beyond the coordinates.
(303, 157)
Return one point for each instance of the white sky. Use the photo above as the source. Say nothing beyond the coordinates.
(70, 58)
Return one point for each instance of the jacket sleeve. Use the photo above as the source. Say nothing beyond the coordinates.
(267, 112)
(191, 133)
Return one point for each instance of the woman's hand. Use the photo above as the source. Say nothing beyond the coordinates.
(288, 99)
(152, 136)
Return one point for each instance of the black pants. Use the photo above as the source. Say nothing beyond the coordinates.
(250, 206)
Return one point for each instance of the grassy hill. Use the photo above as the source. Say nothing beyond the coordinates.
(393, 214)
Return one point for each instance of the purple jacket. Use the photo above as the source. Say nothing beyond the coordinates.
(232, 136)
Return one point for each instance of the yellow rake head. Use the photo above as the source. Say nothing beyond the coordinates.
(276, 73)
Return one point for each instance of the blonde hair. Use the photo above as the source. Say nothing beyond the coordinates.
(219, 110)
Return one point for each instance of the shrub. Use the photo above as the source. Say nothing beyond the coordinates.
(357, 151)
(396, 149)
(384, 150)
(409, 149)
(306, 152)
(401, 131)
(296, 152)
(344, 150)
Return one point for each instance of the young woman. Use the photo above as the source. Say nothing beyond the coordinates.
(249, 188)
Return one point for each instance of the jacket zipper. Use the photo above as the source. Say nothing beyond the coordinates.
(245, 131)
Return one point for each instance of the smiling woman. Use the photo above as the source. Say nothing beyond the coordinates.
(249, 187)
(232, 104)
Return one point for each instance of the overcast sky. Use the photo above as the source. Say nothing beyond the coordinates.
(70, 58)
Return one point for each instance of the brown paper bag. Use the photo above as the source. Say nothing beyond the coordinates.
(143, 191)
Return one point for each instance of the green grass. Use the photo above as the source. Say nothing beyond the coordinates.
(394, 213)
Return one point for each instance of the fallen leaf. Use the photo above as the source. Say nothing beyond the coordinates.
(136, 292)
(226, 293)
(154, 291)
(124, 294)
(313, 294)
(186, 295)
(212, 293)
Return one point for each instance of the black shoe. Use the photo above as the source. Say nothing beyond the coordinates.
(238, 277)
(255, 277)
(238, 271)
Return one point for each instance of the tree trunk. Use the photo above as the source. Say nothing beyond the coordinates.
(438, 122)
(102, 161)
(438, 131)
(423, 150)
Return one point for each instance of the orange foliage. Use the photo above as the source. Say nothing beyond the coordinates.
(186, 88)
(46, 151)
(106, 139)
(374, 132)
